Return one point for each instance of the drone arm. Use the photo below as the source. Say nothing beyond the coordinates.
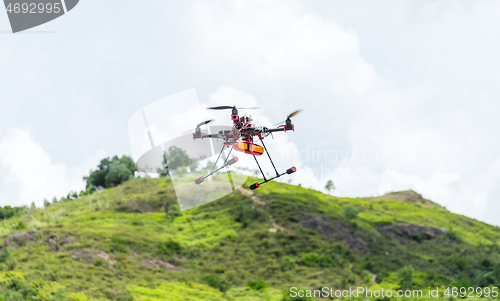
(275, 130)
(204, 136)
(284, 128)
(219, 135)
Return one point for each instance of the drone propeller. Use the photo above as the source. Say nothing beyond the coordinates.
(200, 124)
(289, 116)
(220, 108)
(204, 122)
(232, 107)
(293, 114)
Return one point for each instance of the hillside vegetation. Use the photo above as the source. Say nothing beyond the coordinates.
(132, 242)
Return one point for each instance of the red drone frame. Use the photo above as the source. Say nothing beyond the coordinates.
(241, 138)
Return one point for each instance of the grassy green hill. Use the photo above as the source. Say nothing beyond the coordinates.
(120, 244)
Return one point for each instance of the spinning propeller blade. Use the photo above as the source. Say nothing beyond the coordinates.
(200, 124)
(293, 114)
(220, 108)
(204, 122)
(232, 107)
(289, 116)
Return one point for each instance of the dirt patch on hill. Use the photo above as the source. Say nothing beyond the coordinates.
(67, 241)
(23, 238)
(408, 196)
(54, 241)
(259, 203)
(250, 194)
(336, 231)
(404, 233)
(158, 264)
(90, 256)
(135, 207)
(275, 226)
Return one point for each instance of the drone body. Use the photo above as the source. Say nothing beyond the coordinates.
(242, 138)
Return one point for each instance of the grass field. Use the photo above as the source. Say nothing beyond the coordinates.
(120, 244)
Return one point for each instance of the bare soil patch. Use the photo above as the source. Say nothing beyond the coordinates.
(22, 238)
(135, 207)
(67, 241)
(259, 202)
(157, 264)
(408, 196)
(335, 231)
(90, 256)
(404, 233)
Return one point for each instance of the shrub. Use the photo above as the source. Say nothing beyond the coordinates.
(20, 225)
(310, 259)
(368, 265)
(169, 247)
(405, 276)
(11, 265)
(462, 283)
(11, 295)
(257, 284)
(4, 255)
(453, 235)
(287, 263)
(486, 264)
(326, 261)
(217, 282)
(24, 289)
(119, 248)
(173, 212)
(419, 237)
(246, 214)
(118, 245)
(350, 212)
(487, 279)
(458, 263)
(381, 276)
(99, 262)
(8, 212)
(60, 295)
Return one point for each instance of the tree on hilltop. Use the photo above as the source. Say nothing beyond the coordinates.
(176, 160)
(111, 172)
(329, 186)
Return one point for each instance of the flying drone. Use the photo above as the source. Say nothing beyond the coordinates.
(242, 138)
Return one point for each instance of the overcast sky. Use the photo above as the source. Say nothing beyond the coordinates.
(396, 94)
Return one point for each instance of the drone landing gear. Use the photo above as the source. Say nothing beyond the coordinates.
(288, 171)
(225, 164)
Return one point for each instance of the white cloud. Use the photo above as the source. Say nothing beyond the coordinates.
(28, 173)
(434, 135)
(275, 40)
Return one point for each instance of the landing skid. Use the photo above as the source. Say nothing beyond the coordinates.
(235, 159)
(288, 171)
(225, 164)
